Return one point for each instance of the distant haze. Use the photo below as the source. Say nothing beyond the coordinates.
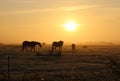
(41, 20)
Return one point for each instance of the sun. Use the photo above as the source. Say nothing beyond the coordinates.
(70, 26)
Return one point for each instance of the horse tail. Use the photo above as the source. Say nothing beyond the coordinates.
(52, 48)
(22, 47)
(73, 46)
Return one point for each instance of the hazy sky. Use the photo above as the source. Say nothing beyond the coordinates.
(42, 20)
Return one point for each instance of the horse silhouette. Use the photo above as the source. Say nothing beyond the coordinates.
(73, 46)
(57, 44)
(31, 44)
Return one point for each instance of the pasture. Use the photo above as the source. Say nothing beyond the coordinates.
(93, 63)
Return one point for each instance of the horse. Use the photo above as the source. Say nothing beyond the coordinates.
(57, 44)
(31, 44)
(73, 46)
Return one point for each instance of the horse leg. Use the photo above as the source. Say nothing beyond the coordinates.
(22, 48)
(55, 48)
(52, 48)
(34, 49)
(31, 49)
(26, 48)
(60, 48)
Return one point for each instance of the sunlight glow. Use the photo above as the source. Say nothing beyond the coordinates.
(70, 26)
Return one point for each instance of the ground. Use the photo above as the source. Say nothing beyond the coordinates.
(86, 63)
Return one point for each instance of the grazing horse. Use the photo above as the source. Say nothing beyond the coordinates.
(73, 46)
(31, 44)
(57, 44)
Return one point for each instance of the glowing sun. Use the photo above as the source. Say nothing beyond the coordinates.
(70, 26)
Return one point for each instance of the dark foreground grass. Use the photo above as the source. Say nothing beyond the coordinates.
(60, 77)
(93, 63)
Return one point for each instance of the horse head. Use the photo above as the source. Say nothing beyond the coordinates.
(40, 44)
(61, 43)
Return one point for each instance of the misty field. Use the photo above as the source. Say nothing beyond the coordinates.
(90, 63)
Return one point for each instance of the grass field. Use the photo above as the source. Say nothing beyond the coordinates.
(94, 63)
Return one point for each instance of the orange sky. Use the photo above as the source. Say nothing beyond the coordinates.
(41, 20)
